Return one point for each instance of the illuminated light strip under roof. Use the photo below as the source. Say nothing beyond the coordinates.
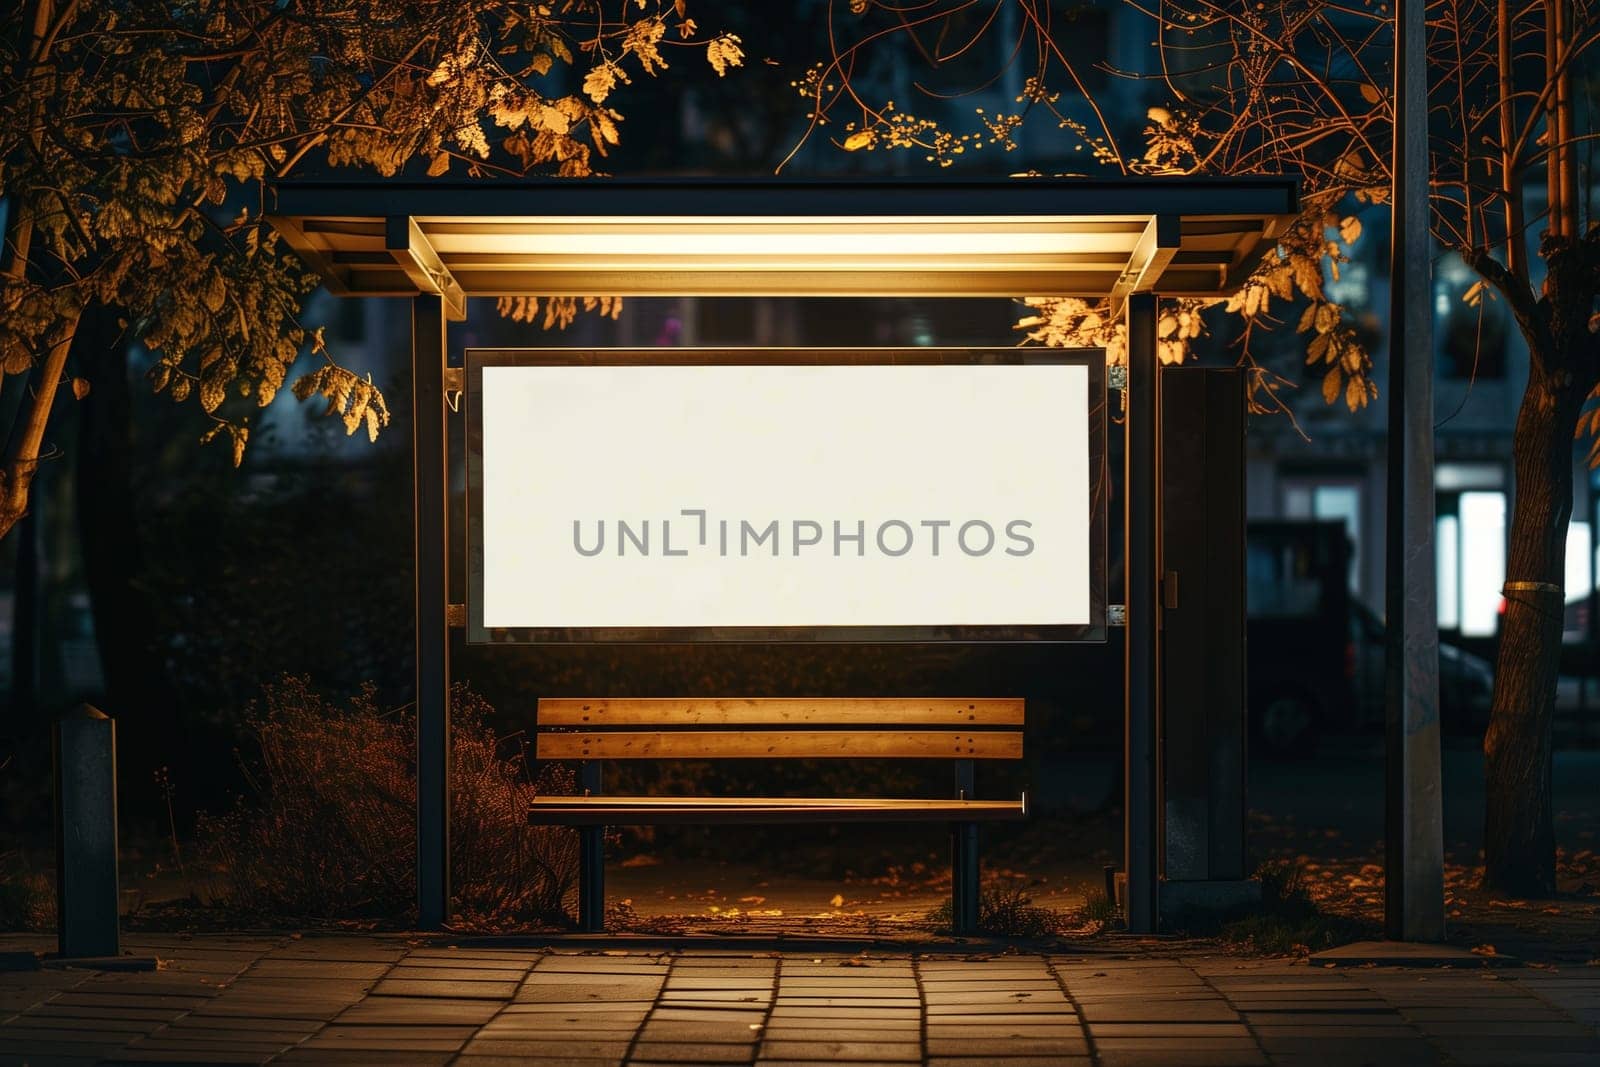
(780, 237)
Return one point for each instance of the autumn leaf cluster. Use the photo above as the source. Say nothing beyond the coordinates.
(135, 136)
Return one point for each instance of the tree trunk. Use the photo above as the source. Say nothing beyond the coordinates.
(26, 622)
(138, 692)
(1519, 834)
(27, 435)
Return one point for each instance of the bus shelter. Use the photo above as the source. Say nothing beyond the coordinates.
(1130, 241)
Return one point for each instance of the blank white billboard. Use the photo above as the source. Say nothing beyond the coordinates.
(779, 496)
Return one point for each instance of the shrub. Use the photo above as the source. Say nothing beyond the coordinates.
(26, 902)
(1098, 907)
(331, 830)
(1288, 921)
(1005, 912)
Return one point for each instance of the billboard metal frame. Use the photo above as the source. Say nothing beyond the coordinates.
(1099, 490)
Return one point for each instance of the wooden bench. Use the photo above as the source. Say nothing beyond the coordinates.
(594, 730)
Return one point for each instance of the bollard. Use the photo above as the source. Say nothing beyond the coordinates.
(85, 752)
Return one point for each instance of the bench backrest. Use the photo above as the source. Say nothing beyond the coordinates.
(788, 728)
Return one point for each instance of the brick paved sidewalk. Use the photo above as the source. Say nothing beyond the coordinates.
(384, 1000)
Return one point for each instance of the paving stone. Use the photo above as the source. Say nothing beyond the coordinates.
(214, 1044)
(722, 1032)
(229, 1009)
(1355, 1050)
(167, 1055)
(835, 1051)
(622, 988)
(848, 1002)
(109, 1001)
(805, 970)
(1167, 1057)
(1334, 1032)
(971, 986)
(1169, 1031)
(195, 1035)
(390, 1038)
(1496, 1058)
(836, 979)
(1003, 1046)
(1509, 1045)
(339, 1058)
(392, 987)
(782, 1010)
(597, 965)
(1003, 1007)
(90, 1049)
(77, 1023)
(565, 1033)
(823, 1063)
(56, 1034)
(291, 968)
(375, 954)
(1051, 1029)
(552, 1046)
(419, 1010)
(1134, 1012)
(700, 986)
(1053, 998)
(842, 1033)
(690, 1052)
(506, 961)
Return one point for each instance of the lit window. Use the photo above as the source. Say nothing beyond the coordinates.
(1447, 540)
(1329, 501)
(1343, 502)
(1579, 581)
(1483, 561)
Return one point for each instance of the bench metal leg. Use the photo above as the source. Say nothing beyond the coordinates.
(964, 878)
(964, 857)
(591, 860)
(592, 879)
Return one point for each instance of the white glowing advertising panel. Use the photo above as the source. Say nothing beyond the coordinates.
(770, 495)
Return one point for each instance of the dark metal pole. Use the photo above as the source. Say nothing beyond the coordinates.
(431, 551)
(1141, 568)
(1414, 835)
(85, 753)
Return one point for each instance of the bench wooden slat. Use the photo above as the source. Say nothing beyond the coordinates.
(773, 744)
(778, 711)
(646, 811)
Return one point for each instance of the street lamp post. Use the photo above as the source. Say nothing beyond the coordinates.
(1414, 837)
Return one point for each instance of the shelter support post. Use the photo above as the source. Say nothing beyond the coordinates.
(1202, 630)
(431, 553)
(1141, 568)
(1414, 831)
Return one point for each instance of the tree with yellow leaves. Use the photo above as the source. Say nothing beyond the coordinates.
(1303, 87)
(134, 137)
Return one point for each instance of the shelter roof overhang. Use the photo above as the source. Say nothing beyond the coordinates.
(755, 237)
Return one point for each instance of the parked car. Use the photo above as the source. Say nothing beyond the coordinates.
(1316, 655)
